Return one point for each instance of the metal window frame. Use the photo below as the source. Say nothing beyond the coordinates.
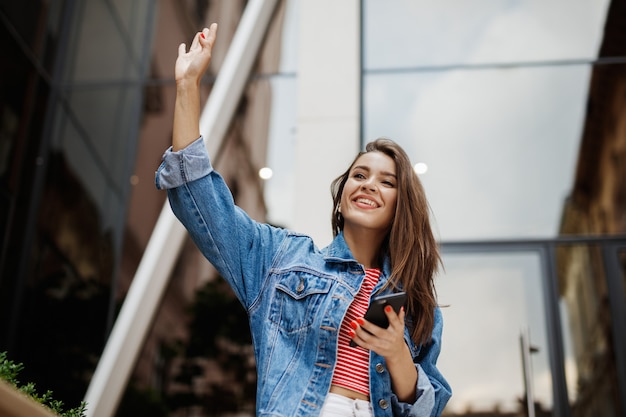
(546, 249)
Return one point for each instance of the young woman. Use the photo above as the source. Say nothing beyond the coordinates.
(306, 305)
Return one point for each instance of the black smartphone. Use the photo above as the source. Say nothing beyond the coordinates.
(376, 311)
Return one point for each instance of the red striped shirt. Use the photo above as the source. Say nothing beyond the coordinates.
(352, 369)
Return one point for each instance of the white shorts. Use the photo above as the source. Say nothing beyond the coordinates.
(339, 406)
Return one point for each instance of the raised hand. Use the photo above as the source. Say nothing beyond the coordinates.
(189, 68)
(192, 64)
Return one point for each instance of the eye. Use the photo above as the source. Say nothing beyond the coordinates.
(358, 175)
(388, 181)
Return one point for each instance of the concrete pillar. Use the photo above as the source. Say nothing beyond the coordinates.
(328, 108)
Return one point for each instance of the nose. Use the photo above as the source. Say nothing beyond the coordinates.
(369, 185)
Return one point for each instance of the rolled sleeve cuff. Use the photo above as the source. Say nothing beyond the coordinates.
(425, 394)
(425, 398)
(183, 166)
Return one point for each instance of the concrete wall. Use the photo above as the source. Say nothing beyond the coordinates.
(328, 108)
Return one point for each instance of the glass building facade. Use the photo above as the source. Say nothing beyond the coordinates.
(498, 108)
(514, 111)
(72, 99)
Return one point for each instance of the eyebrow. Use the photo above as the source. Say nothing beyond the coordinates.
(366, 168)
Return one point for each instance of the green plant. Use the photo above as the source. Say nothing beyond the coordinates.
(9, 371)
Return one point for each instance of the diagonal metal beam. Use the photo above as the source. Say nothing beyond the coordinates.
(138, 311)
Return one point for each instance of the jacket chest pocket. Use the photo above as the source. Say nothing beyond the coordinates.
(297, 300)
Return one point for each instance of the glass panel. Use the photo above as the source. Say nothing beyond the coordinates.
(109, 44)
(107, 117)
(114, 56)
(279, 190)
(281, 149)
(135, 19)
(501, 144)
(35, 27)
(490, 301)
(587, 332)
(409, 33)
(103, 186)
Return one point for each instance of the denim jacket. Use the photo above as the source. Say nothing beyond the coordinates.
(295, 295)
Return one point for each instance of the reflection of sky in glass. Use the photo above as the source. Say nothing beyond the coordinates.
(501, 144)
(491, 299)
(416, 33)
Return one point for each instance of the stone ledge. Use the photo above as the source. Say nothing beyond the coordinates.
(16, 404)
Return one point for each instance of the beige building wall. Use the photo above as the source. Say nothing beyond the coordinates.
(328, 115)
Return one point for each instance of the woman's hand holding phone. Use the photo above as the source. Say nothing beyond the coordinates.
(376, 312)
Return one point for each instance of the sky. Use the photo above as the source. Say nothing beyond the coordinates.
(501, 145)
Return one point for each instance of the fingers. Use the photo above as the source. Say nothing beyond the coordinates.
(193, 61)
(208, 36)
(374, 340)
(395, 320)
(204, 39)
(373, 337)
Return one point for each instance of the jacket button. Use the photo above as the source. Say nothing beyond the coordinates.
(383, 404)
(380, 368)
(300, 287)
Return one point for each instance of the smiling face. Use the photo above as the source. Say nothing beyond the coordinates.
(369, 196)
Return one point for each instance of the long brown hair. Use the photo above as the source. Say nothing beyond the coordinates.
(410, 244)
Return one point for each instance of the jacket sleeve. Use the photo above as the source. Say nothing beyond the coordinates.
(240, 248)
(433, 391)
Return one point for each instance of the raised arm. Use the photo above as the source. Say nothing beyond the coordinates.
(190, 67)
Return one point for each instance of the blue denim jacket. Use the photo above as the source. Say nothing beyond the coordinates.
(295, 295)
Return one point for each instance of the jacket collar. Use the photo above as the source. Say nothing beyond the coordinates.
(338, 251)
